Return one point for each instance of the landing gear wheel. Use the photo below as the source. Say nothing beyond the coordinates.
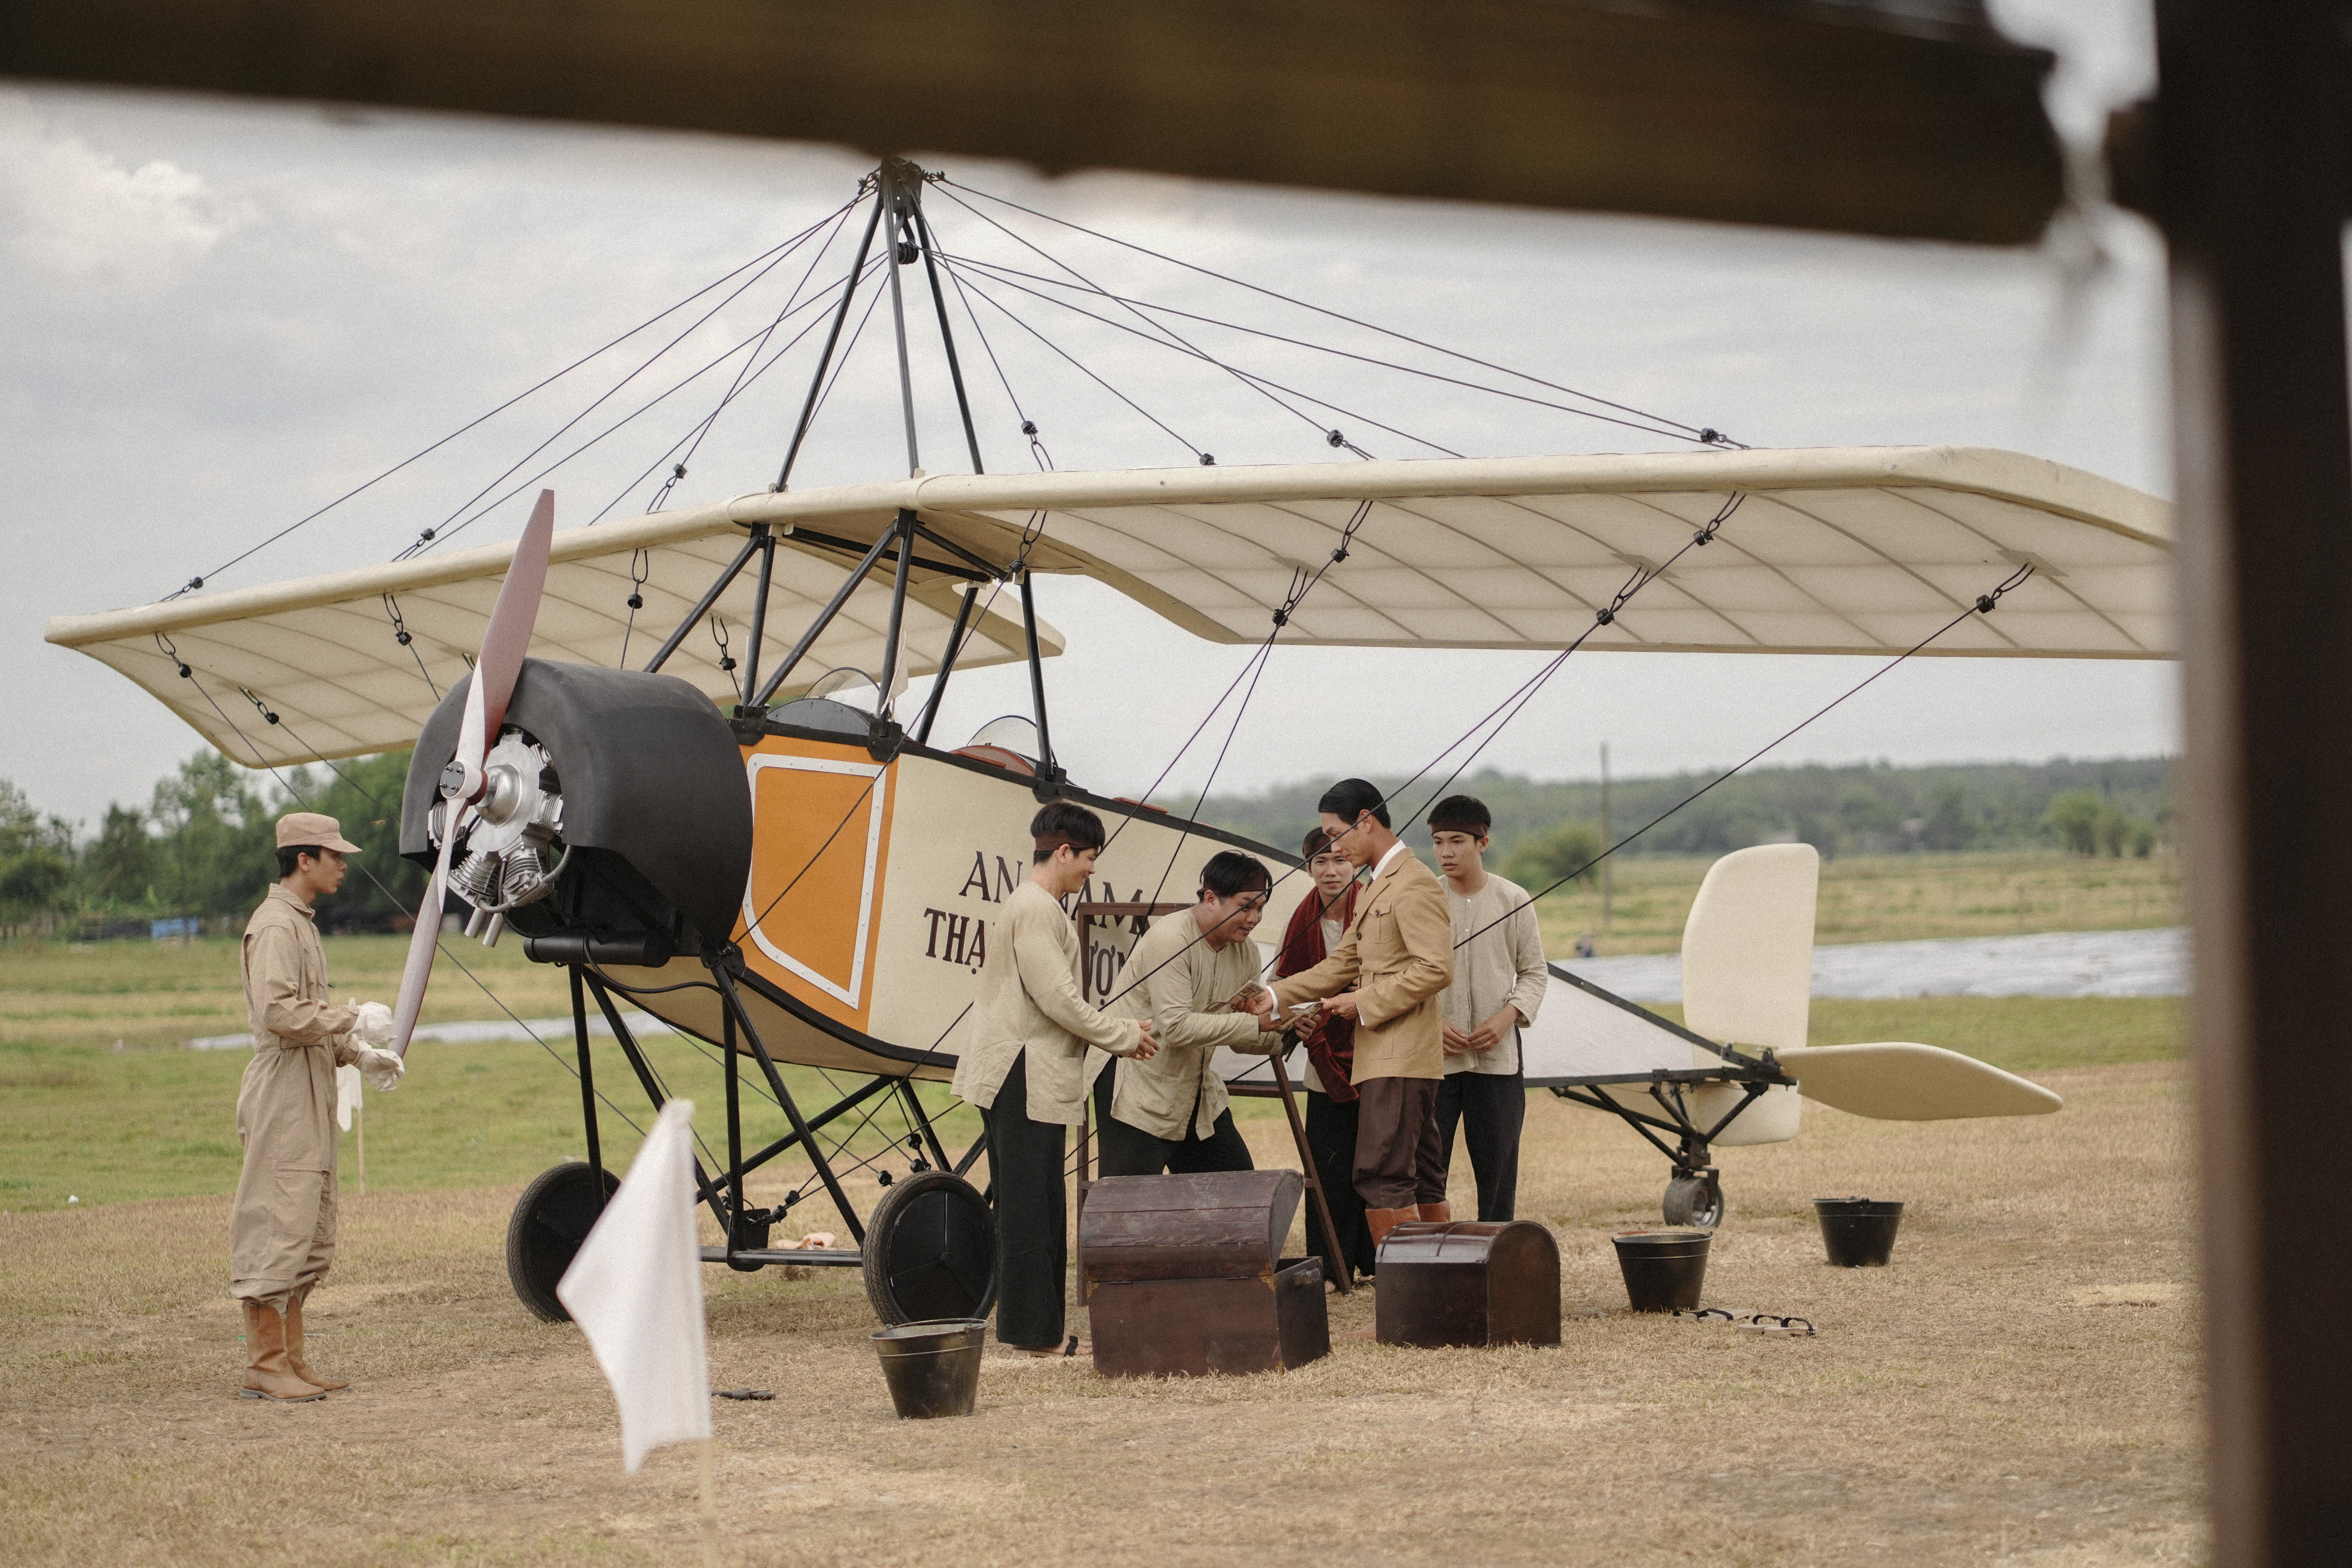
(551, 1220)
(1695, 1201)
(931, 1250)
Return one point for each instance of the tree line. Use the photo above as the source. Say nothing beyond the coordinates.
(201, 850)
(1546, 830)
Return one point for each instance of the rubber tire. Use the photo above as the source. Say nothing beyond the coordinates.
(1695, 1201)
(931, 1250)
(551, 1220)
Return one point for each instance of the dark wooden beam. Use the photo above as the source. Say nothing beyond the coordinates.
(2252, 157)
(1810, 116)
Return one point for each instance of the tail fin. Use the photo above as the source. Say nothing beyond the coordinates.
(1748, 968)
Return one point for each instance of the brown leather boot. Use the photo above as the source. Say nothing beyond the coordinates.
(267, 1375)
(1382, 1221)
(294, 1348)
(1431, 1214)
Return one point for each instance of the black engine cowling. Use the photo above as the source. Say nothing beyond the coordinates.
(655, 819)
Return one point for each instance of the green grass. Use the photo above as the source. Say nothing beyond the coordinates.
(81, 1118)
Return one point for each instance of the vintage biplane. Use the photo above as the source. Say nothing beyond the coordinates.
(729, 838)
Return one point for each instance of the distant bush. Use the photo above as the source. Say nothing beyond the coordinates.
(1565, 850)
(2087, 823)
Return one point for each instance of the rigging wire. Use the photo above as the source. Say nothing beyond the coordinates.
(426, 540)
(1706, 436)
(1189, 447)
(328, 763)
(1008, 274)
(196, 582)
(1165, 332)
(1607, 615)
(1517, 702)
(1983, 606)
(696, 432)
(1299, 592)
(1028, 426)
(1248, 377)
(840, 366)
(617, 425)
(741, 383)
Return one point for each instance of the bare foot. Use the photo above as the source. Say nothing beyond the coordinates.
(1073, 1346)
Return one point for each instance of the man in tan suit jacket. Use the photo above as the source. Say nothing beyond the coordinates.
(1388, 973)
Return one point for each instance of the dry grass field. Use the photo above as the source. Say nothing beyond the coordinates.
(1890, 897)
(2016, 1389)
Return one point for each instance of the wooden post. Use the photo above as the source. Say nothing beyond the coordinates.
(2250, 173)
(1339, 1254)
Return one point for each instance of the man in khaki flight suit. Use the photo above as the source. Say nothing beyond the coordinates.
(1169, 1112)
(281, 1231)
(1388, 973)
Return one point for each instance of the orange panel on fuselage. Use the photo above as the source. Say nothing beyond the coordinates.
(820, 851)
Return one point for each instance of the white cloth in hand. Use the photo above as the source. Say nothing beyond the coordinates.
(375, 1027)
(382, 1069)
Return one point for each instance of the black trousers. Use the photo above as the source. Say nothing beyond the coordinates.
(1033, 1246)
(1129, 1151)
(1490, 1108)
(1332, 1140)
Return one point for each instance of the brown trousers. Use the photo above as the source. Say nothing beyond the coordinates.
(1399, 1159)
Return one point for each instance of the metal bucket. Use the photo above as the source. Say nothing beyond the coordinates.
(1664, 1270)
(1859, 1233)
(933, 1369)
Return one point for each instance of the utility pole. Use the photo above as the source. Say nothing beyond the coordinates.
(1609, 865)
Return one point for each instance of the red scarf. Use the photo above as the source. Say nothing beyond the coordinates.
(1331, 1045)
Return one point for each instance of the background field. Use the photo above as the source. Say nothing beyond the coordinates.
(81, 1118)
(2017, 1389)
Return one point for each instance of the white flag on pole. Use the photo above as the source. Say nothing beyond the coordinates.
(635, 1290)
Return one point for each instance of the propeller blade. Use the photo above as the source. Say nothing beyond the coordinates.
(505, 643)
(422, 945)
(508, 638)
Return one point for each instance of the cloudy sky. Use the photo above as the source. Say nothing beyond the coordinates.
(220, 316)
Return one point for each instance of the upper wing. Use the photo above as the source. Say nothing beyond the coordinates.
(324, 653)
(1854, 550)
(1849, 550)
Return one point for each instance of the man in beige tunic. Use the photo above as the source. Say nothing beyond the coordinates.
(1499, 981)
(1170, 1112)
(282, 1234)
(1024, 1066)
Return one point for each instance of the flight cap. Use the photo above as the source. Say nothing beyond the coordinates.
(298, 828)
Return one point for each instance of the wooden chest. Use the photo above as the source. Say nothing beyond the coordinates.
(1181, 1275)
(1468, 1282)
